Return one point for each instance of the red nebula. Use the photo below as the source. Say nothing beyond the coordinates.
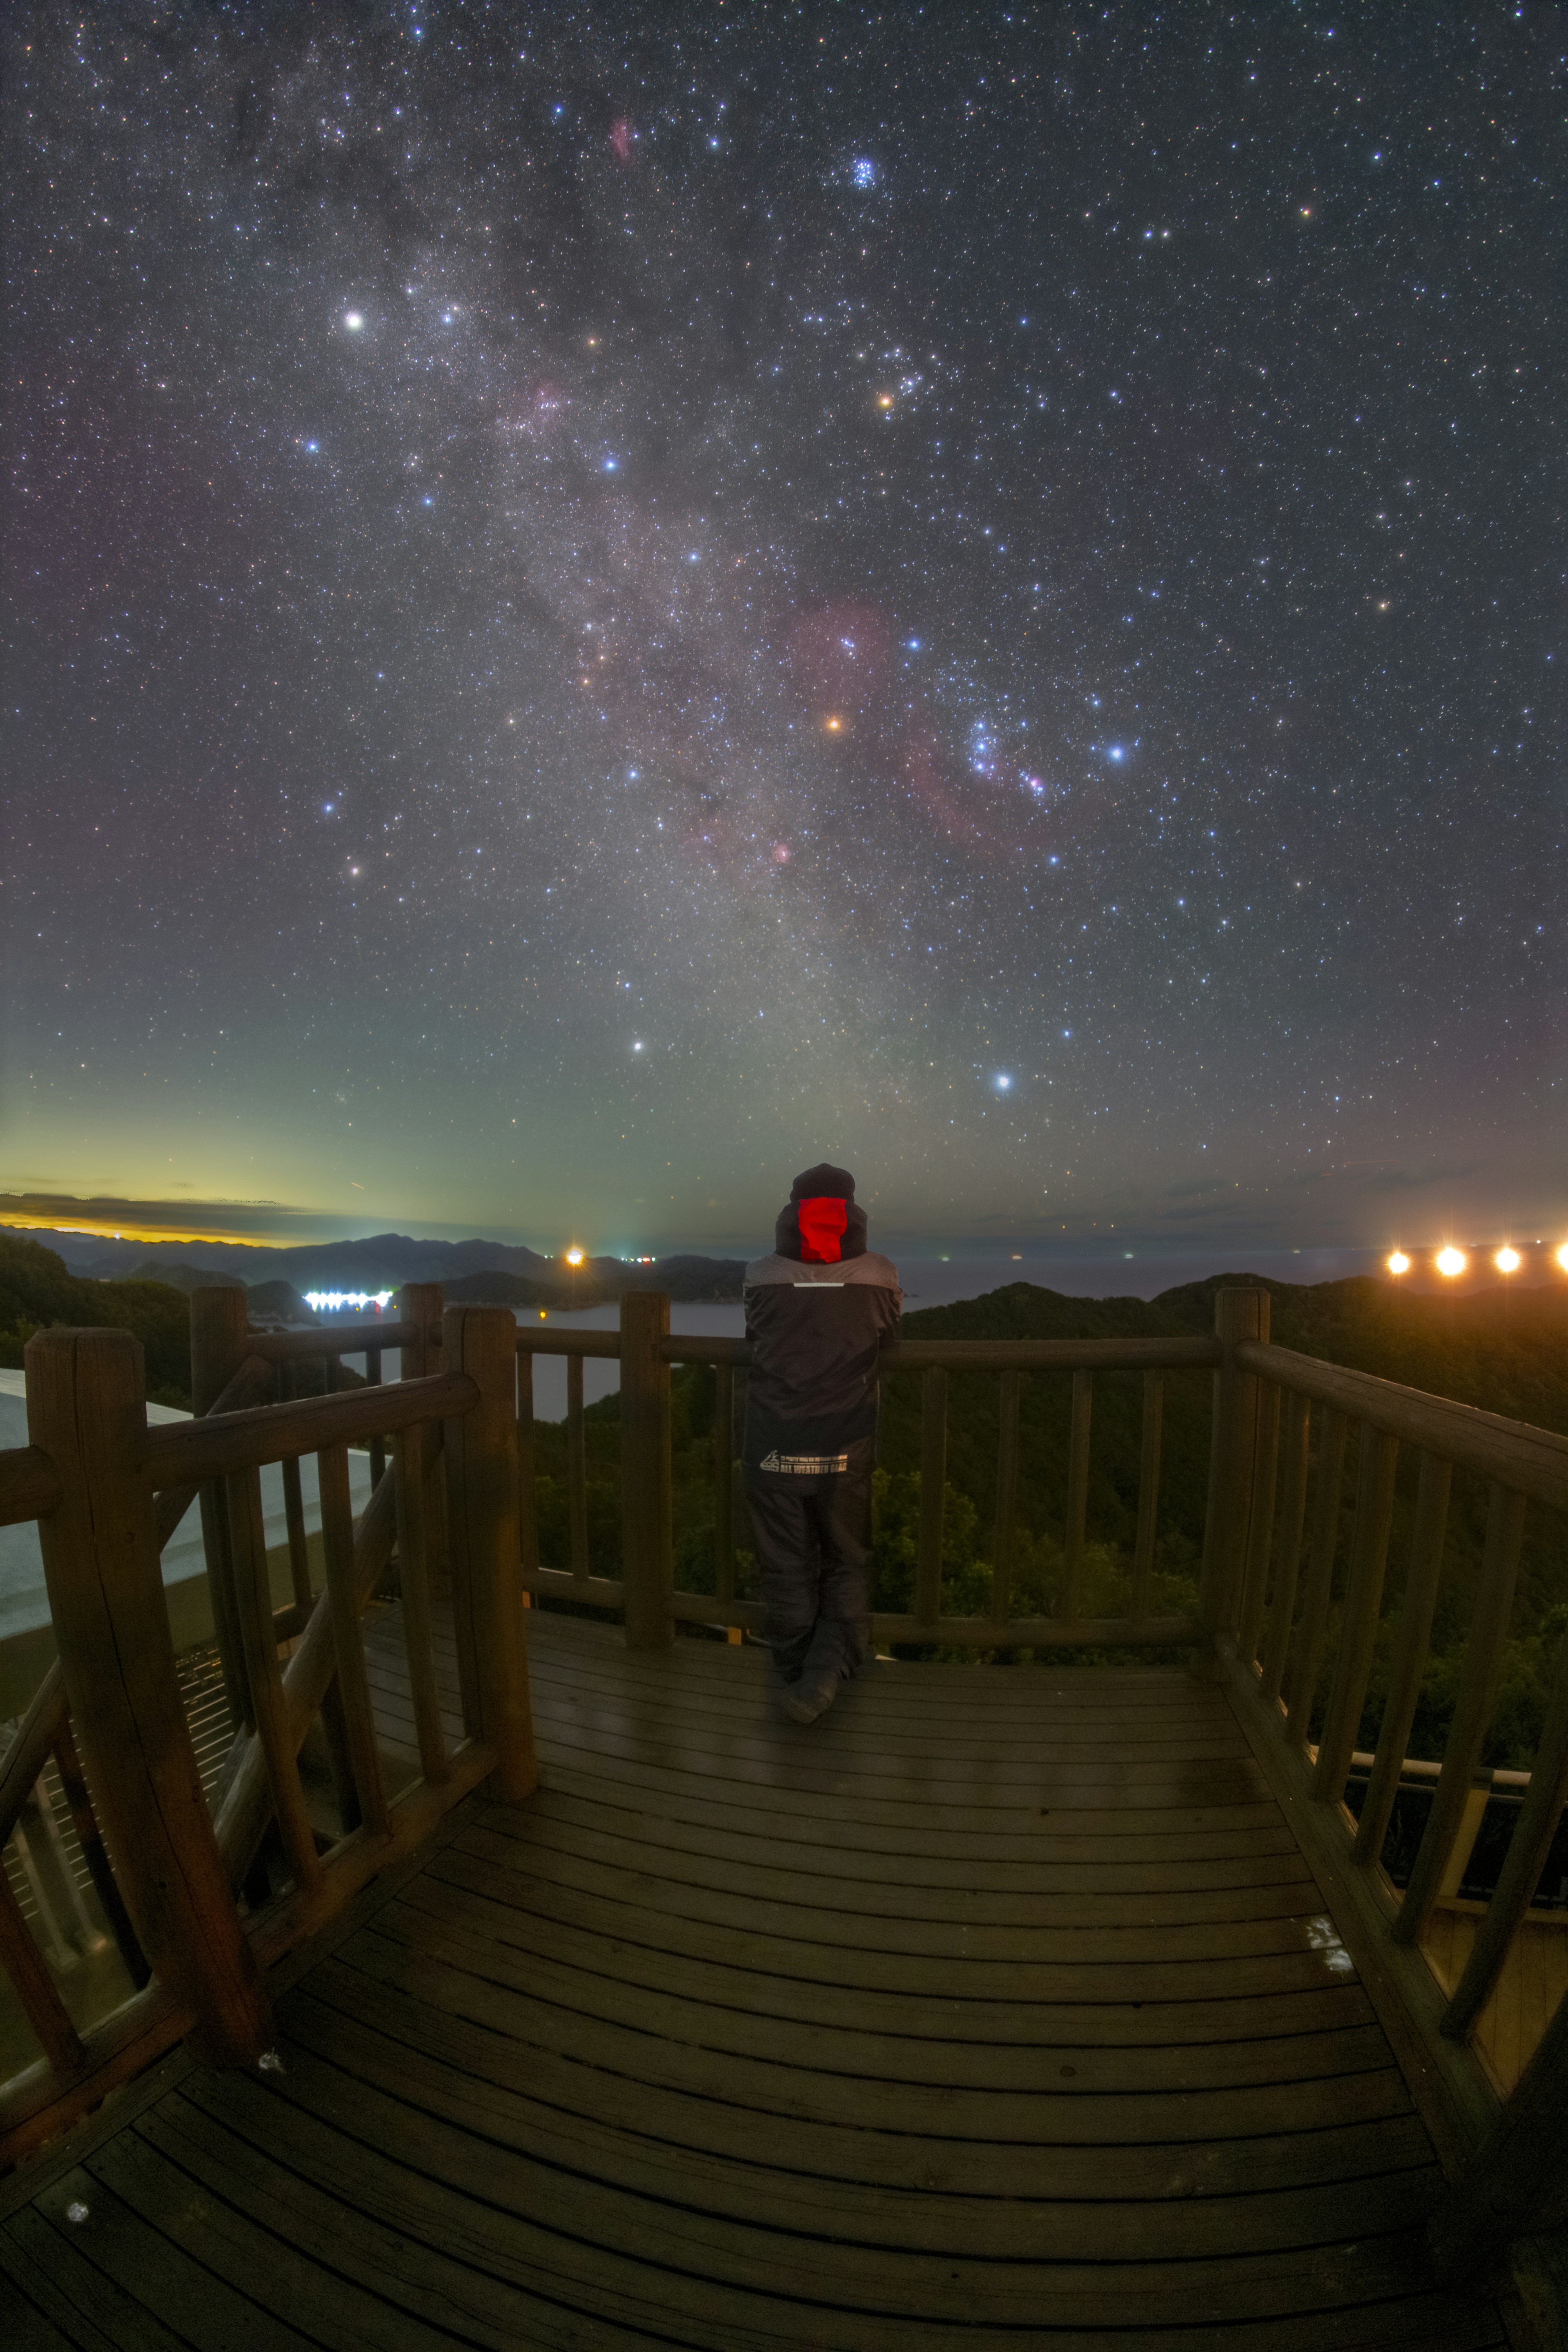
(621, 137)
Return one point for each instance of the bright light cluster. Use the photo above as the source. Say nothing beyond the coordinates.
(332, 1302)
(1451, 1262)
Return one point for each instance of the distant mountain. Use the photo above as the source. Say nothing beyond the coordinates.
(387, 1261)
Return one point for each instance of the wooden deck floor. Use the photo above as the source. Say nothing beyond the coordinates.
(997, 2008)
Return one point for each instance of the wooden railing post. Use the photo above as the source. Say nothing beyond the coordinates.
(576, 1471)
(481, 1451)
(1148, 1493)
(1239, 1315)
(87, 1409)
(647, 1543)
(424, 1304)
(219, 1321)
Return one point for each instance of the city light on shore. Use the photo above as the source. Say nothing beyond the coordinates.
(1451, 1262)
(573, 1256)
(1562, 1257)
(1398, 1263)
(1508, 1260)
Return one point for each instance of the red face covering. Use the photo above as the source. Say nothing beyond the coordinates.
(822, 1224)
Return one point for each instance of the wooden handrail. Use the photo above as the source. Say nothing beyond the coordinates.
(1534, 1462)
(182, 1454)
(332, 1339)
(29, 1485)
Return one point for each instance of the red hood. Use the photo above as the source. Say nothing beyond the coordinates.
(822, 1224)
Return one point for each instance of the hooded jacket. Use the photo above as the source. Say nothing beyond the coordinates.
(817, 1311)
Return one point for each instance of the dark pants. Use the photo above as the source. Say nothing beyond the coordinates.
(813, 1550)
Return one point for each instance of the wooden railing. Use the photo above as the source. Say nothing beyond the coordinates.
(106, 1491)
(1294, 1639)
(1271, 1595)
(645, 1591)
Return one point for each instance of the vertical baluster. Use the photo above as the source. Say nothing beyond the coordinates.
(527, 1524)
(1307, 1661)
(1260, 1523)
(1239, 1315)
(1472, 1712)
(95, 1853)
(1148, 1493)
(724, 1484)
(294, 1505)
(412, 1484)
(1078, 1494)
(1292, 1518)
(1002, 1548)
(377, 1444)
(646, 1537)
(218, 1333)
(253, 1592)
(342, 1601)
(576, 1470)
(1411, 1645)
(933, 1485)
(1520, 1874)
(1517, 2179)
(1364, 1599)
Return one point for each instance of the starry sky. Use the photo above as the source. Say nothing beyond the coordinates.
(607, 601)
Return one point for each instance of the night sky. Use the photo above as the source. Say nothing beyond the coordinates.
(610, 601)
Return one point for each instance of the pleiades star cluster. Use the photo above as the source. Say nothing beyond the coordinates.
(606, 601)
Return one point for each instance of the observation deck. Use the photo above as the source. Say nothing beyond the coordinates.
(539, 1986)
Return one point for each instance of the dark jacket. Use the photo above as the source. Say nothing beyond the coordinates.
(817, 1323)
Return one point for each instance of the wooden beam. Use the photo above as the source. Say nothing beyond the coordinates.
(481, 1498)
(933, 1496)
(179, 1453)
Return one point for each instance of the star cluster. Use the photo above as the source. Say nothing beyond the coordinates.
(607, 602)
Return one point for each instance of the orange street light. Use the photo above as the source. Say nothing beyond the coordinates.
(1398, 1263)
(1562, 1257)
(573, 1256)
(1507, 1260)
(1451, 1262)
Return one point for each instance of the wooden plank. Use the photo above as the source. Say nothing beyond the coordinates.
(91, 2311)
(180, 1452)
(872, 2186)
(722, 2276)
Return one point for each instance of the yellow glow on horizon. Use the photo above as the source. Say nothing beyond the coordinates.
(1451, 1262)
(1507, 1261)
(107, 1229)
(1398, 1263)
(1562, 1257)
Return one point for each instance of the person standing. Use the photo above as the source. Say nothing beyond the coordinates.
(818, 1310)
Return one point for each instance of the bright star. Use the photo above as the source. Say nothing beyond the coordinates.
(353, 320)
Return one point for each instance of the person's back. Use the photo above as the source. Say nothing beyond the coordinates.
(817, 1311)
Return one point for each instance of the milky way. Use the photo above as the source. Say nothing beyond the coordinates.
(610, 601)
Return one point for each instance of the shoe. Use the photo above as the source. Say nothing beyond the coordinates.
(803, 1701)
